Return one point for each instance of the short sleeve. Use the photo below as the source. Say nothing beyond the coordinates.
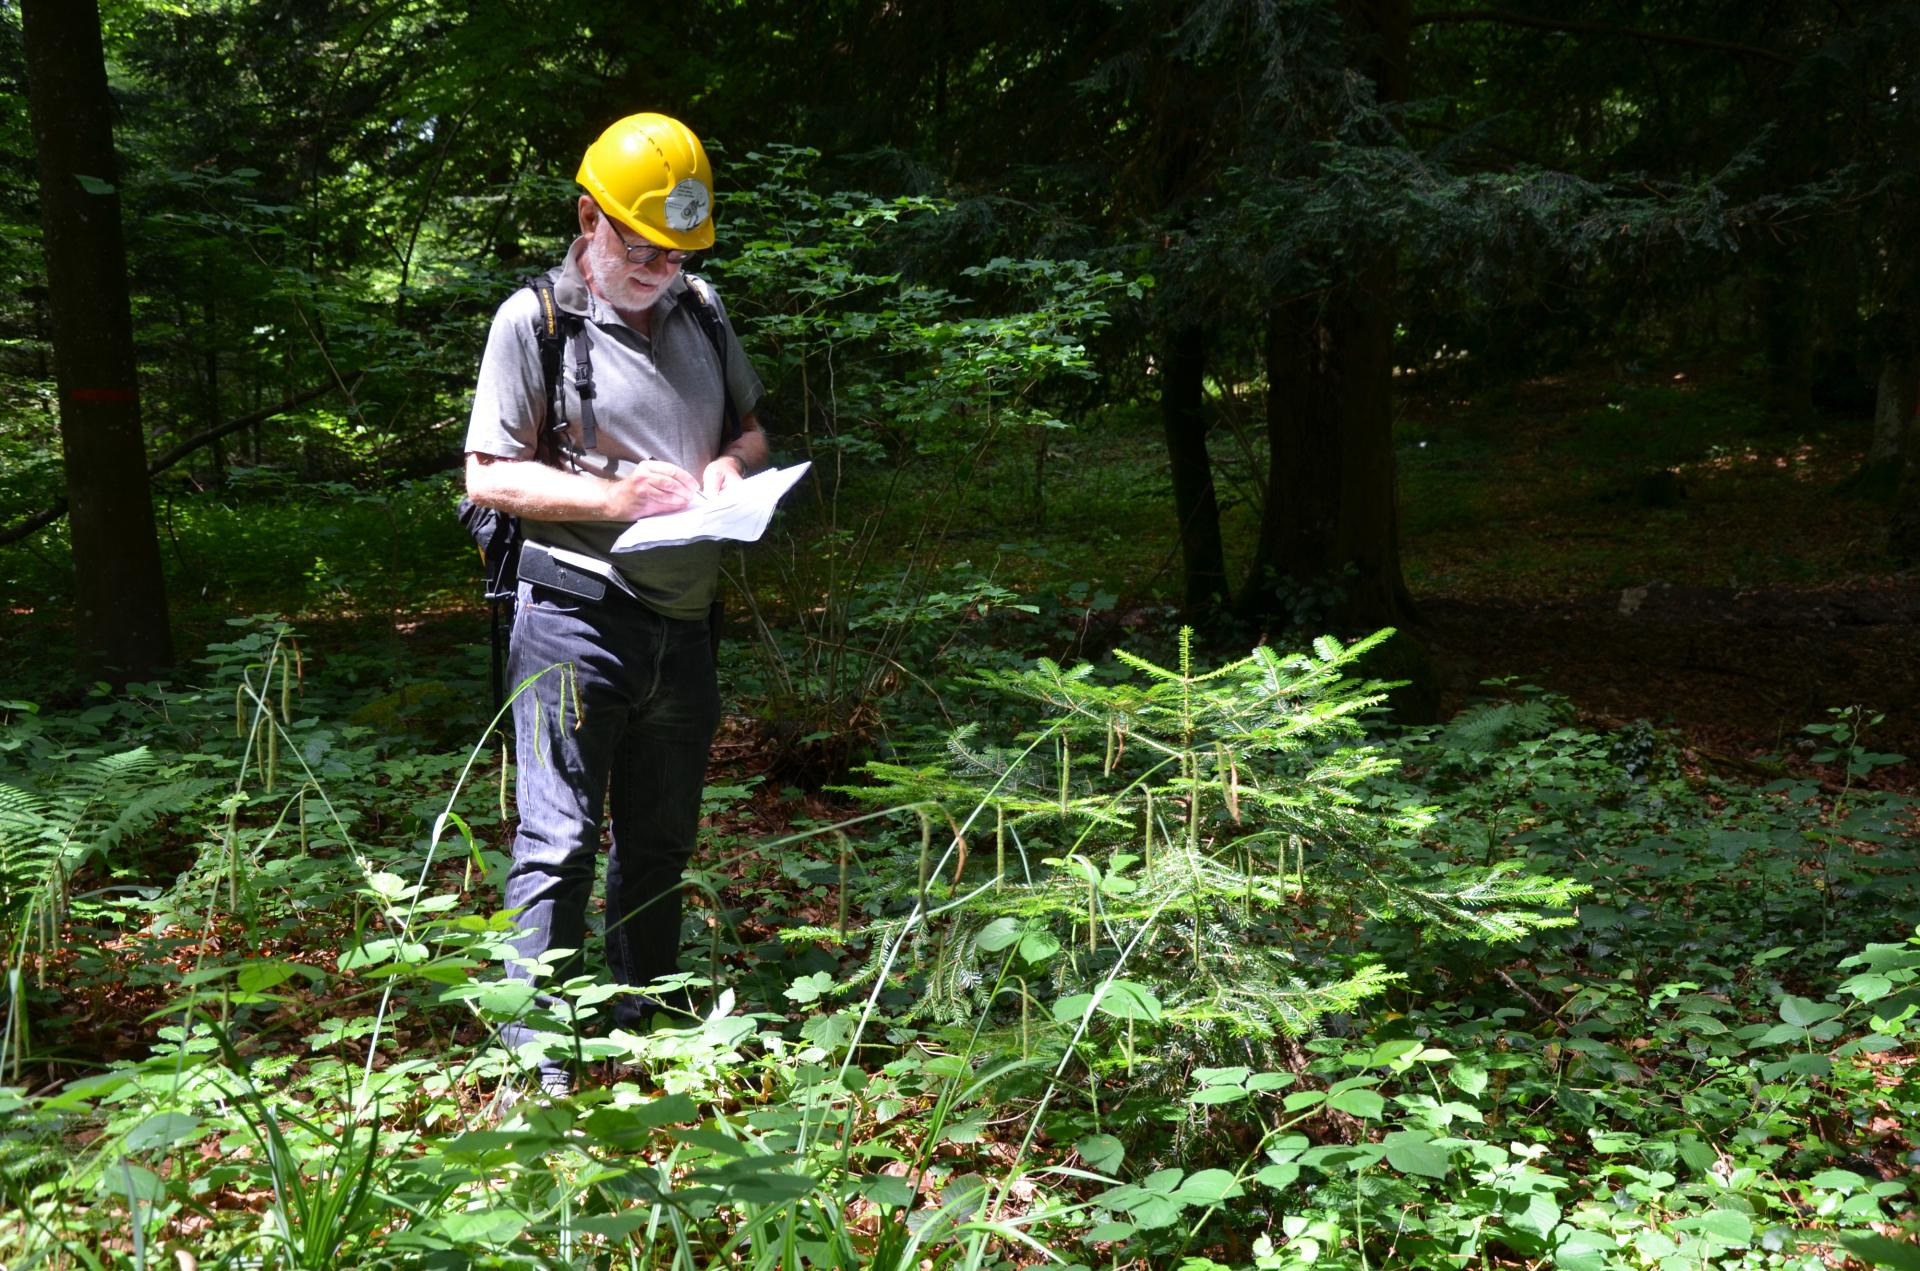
(510, 397)
(743, 382)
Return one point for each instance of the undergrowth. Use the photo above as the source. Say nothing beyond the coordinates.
(1184, 967)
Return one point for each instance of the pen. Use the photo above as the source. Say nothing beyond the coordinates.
(697, 493)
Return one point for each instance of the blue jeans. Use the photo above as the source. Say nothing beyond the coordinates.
(623, 721)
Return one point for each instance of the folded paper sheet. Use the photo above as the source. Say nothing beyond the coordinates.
(739, 512)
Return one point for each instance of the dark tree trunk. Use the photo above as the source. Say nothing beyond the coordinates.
(1303, 447)
(1183, 414)
(1329, 543)
(1903, 536)
(1329, 549)
(1896, 329)
(120, 603)
(1786, 326)
(1894, 402)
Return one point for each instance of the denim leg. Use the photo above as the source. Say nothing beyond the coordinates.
(567, 726)
(632, 700)
(659, 772)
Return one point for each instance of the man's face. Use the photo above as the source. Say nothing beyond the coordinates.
(626, 286)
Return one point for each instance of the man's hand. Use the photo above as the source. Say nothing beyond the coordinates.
(721, 473)
(653, 487)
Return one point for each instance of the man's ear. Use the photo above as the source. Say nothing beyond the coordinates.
(589, 215)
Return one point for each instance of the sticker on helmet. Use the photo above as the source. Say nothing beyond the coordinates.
(687, 204)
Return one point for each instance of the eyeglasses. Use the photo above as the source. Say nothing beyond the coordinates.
(644, 253)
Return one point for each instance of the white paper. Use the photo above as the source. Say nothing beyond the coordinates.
(739, 512)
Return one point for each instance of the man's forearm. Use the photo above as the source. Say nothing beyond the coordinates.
(537, 491)
(749, 449)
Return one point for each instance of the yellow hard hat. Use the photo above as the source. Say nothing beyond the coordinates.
(651, 174)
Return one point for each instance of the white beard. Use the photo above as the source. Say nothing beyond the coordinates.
(619, 283)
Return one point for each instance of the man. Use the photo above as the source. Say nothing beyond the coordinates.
(626, 715)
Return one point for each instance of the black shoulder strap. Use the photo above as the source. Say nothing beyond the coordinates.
(554, 328)
(708, 317)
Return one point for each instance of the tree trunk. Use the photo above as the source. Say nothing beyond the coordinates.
(1893, 404)
(1787, 327)
(1183, 415)
(120, 604)
(1903, 536)
(1329, 549)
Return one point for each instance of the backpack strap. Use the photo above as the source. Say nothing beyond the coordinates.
(583, 384)
(553, 329)
(707, 314)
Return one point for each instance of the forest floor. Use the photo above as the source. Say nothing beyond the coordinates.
(1642, 549)
(1635, 547)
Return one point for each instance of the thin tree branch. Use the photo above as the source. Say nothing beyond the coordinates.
(47, 516)
(1507, 17)
(38, 521)
(261, 416)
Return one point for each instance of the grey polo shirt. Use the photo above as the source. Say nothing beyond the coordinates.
(655, 398)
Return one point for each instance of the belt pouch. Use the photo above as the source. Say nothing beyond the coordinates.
(542, 568)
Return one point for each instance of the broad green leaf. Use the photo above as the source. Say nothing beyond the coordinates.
(1697, 1153)
(1277, 1176)
(998, 934)
(757, 1180)
(126, 1178)
(829, 1032)
(1208, 1186)
(1726, 1227)
(161, 1131)
(713, 1141)
(808, 988)
(1154, 1210)
(1365, 1104)
(476, 1145)
(1218, 1094)
(1803, 1012)
(1413, 1152)
(487, 1226)
(1838, 1180)
(1868, 986)
(1126, 1000)
(1349, 1156)
(632, 1128)
(1809, 1065)
(1881, 1251)
(1535, 1213)
(255, 977)
(1101, 1152)
(1468, 1078)
(1576, 1249)
(1037, 946)
(615, 1226)
(1396, 1054)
